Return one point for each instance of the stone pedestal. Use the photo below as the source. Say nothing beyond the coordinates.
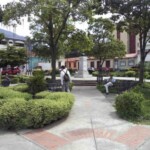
(83, 72)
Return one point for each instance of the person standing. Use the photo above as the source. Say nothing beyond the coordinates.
(65, 78)
(110, 82)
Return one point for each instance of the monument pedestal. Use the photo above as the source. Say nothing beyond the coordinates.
(83, 72)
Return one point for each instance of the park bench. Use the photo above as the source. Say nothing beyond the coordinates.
(54, 86)
(120, 85)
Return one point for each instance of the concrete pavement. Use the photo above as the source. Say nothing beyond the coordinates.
(91, 125)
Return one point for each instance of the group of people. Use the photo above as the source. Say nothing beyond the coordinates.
(65, 84)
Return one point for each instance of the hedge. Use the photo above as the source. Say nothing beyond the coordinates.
(129, 105)
(18, 110)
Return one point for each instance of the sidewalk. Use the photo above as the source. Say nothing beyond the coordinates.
(91, 125)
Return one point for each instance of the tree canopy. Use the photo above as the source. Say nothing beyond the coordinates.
(105, 45)
(132, 16)
(51, 20)
(1, 14)
(12, 56)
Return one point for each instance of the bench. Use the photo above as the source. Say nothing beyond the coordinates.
(54, 86)
(120, 85)
(125, 85)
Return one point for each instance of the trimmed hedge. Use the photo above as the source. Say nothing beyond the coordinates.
(129, 105)
(18, 111)
(20, 88)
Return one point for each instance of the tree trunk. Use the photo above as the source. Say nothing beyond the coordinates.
(141, 71)
(53, 65)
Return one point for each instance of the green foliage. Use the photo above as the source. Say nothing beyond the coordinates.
(36, 84)
(23, 79)
(130, 74)
(1, 36)
(20, 88)
(1, 14)
(79, 40)
(15, 80)
(13, 56)
(95, 73)
(13, 114)
(38, 72)
(8, 93)
(52, 24)
(47, 107)
(71, 84)
(129, 105)
(146, 110)
(105, 45)
(135, 14)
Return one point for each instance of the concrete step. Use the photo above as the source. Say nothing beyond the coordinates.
(84, 82)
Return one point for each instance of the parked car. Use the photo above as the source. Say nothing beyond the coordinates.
(11, 71)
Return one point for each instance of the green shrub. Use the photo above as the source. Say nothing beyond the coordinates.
(36, 84)
(45, 111)
(54, 96)
(71, 84)
(130, 73)
(95, 73)
(38, 72)
(146, 109)
(128, 105)
(13, 114)
(148, 76)
(23, 79)
(47, 107)
(15, 80)
(7, 93)
(21, 88)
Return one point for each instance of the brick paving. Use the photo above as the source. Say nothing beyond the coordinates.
(45, 139)
(99, 107)
(132, 138)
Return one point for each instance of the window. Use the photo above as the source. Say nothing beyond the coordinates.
(131, 63)
(3, 42)
(92, 64)
(19, 44)
(59, 64)
(122, 63)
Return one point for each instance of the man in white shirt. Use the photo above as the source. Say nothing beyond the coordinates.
(110, 82)
(65, 84)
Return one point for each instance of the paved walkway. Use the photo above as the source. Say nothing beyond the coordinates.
(91, 125)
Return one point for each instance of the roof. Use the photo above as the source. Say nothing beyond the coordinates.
(12, 35)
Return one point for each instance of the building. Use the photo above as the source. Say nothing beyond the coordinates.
(11, 39)
(131, 58)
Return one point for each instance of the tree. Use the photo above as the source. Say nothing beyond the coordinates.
(133, 16)
(1, 14)
(51, 21)
(12, 56)
(1, 36)
(105, 46)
